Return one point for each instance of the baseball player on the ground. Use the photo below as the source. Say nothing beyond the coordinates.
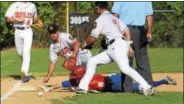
(64, 45)
(22, 15)
(117, 49)
(101, 83)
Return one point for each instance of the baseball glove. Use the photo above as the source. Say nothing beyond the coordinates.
(83, 46)
(103, 44)
(37, 27)
(69, 63)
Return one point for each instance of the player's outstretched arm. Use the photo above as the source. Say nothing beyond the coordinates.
(49, 73)
(76, 46)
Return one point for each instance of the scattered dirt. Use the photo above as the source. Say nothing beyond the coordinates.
(32, 97)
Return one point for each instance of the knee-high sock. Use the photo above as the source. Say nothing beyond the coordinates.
(160, 82)
(136, 86)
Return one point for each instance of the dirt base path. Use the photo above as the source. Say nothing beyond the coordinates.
(32, 97)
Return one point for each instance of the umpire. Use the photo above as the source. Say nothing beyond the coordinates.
(134, 14)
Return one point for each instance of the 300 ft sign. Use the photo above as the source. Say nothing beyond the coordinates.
(79, 20)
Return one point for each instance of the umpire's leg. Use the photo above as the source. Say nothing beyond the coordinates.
(141, 56)
(126, 80)
(145, 71)
(142, 62)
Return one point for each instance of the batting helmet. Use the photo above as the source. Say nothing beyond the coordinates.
(78, 72)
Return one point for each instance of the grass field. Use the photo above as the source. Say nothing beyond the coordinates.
(161, 60)
(120, 98)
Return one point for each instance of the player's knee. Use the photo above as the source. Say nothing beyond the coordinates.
(20, 53)
(89, 56)
(91, 66)
(27, 53)
(92, 61)
(126, 69)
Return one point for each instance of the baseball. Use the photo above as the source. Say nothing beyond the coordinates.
(40, 94)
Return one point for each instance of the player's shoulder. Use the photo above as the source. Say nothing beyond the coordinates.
(51, 44)
(32, 4)
(51, 47)
(65, 35)
(14, 4)
(100, 18)
(103, 16)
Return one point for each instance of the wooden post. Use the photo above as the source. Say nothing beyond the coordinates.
(67, 17)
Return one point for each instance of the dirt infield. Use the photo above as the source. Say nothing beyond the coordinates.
(32, 97)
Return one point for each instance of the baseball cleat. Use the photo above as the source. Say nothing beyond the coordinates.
(26, 79)
(81, 91)
(94, 91)
(170, 80)
(149, 92)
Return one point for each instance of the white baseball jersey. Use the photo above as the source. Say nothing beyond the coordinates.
(64, 45)
(116, 52)
(110, 29)
(22, 9)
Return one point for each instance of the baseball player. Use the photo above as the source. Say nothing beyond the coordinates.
(117, 49)
(101, 83)
(65, 46)
(22, 15)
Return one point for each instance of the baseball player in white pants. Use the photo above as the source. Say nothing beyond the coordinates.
(22, 14)
(65, 46)
(117, 50)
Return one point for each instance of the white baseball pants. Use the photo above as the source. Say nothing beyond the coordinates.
(23, 43)
(116, 52)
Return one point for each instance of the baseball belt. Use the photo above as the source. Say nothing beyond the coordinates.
(113, 40)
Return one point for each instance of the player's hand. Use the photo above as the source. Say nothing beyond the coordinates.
(130, 52)
(46, 79)
(149, 36)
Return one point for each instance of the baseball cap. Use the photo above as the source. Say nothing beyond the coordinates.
(52, 28)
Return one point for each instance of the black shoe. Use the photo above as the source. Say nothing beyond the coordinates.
(26, 79)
